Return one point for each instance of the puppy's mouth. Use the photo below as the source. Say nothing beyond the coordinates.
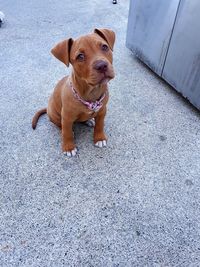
(103, 78)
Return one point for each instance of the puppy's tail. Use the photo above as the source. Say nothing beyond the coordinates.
(36, 117)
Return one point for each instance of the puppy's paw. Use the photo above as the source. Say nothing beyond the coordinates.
(90, 123)
(71, 153)
(101, 144)
(2, 17)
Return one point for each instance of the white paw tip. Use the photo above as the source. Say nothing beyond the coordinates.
(71, 153)
(104, 143)
(101, 144)
(2, 17)
(90, 123)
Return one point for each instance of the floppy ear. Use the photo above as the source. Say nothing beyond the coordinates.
(107, 35)
(62, 51)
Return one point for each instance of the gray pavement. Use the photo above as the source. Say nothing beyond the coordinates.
(135, 203)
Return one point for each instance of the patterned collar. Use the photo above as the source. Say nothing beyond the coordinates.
(93, 106)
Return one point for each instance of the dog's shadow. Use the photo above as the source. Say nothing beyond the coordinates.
(82, 132)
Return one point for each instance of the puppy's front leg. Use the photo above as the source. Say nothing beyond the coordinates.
(99, 135)
(68, 146)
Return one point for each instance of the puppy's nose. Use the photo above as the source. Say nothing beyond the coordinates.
(101, 66)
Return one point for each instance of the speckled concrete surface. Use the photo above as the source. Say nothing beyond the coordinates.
(135, 203)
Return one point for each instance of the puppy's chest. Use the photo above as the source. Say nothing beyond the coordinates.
(84, 116)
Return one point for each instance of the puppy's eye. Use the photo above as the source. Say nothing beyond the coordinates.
(104, 47)
(80, 57)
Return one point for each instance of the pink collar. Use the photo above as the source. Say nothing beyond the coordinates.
(93, 106)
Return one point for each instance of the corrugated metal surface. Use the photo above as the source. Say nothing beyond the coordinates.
(182, 66)
(149, 30)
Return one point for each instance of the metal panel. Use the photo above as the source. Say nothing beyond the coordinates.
(182, 67)
(150, 25)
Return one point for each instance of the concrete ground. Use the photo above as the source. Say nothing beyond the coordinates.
(135, 203)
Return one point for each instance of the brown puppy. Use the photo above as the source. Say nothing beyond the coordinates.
(83, 95)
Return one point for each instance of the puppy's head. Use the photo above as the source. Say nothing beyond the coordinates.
(90, 56)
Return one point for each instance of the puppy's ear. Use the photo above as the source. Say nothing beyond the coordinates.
(107, 35)
(62, 51)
